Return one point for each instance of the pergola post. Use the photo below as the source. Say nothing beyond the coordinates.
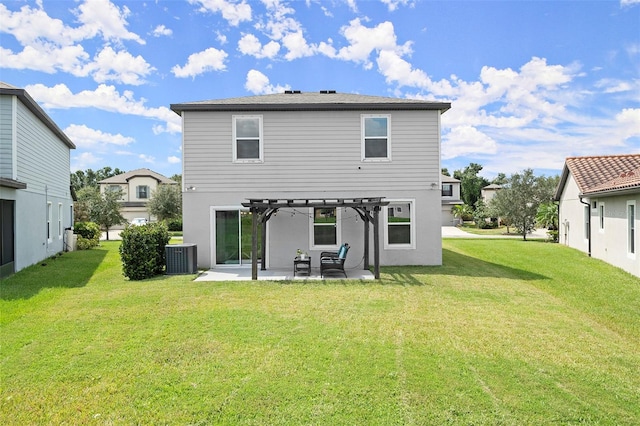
(254, 243)
(376, 243)
(366, 239)
(263, 238)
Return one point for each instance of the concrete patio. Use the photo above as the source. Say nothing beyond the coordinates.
(244, 274)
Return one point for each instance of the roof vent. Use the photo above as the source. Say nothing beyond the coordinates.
(291, 92)
(326, 92)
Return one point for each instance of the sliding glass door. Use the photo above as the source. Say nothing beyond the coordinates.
(233, 237)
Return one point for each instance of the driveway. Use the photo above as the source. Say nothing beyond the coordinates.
(455, 232)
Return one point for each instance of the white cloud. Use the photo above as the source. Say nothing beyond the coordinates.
(232, 12)
(121, 67)
(465, 140)
(173, 159)
(85, 137)
(258, 84)
(105, 98)
(297, 46)
(210, 59)
(250, 45)
(363, 41)
(147, 158)
(49, 45)
(627, 3)
(161, 31)
(629, 121)
(84, 160)
(103, 17)
(392, 5)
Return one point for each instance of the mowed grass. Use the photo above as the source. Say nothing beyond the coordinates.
(506, 332)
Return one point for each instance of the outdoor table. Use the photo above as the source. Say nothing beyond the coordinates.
(302, 265)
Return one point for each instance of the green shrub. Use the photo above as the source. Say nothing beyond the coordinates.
(88, 234)
(174, 224)
(143, 250)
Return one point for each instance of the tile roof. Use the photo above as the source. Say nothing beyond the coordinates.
(325, 100)
(125, 177)
(605, 173)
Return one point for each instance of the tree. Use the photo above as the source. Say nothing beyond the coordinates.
(103, 209)
(89, 178)
(461, 211)
(445, 172)
(547, 216)
(470, 183)
(520, 198)
(166, 202)
(501, 179)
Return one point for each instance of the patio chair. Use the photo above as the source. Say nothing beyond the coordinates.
(334, 261)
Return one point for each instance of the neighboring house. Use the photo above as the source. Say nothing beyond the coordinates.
(36, 205)
(599, 197)
(137, 186)
(316, 166)
(450, 198)
(488, 192)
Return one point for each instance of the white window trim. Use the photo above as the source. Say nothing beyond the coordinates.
(385, 221)
(602, 214)
(362, 138)
(313, 245)
(60, 230)
(147, 192)
(49, 219)
(631, 255)
(234, 141)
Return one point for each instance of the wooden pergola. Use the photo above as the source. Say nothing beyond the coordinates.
(367, 208)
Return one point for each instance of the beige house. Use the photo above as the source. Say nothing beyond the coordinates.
(450, 198)
(599, 197)
(137, 187)
(488, 192)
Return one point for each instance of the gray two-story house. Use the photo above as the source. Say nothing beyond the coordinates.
(315, 166)
(36, 204)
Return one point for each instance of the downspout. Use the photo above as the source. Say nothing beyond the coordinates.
(589, 227)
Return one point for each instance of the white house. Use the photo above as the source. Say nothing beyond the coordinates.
(318, 168)
(137, 186)
(36, 204)
(450, 198)
(599, 197)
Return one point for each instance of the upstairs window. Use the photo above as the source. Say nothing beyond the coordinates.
(447, 190)
(376, 140)
(247, 139)
(142, 192)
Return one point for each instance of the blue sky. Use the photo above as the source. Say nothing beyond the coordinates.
(530, 82)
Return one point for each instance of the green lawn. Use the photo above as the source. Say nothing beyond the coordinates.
(507, 332)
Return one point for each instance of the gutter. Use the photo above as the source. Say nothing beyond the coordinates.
(589, 227)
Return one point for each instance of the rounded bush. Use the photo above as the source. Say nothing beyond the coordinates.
(88, 234)
(143, 250)
(174, 224)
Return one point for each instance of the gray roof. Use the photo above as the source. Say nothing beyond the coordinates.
(326, 100)
(7, 89)
(448, 179)
(125, 177)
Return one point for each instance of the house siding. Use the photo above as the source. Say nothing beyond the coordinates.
(572, 217)
(43, 163)
(311, 151)
(610, 244)
(7, 108)
(313, 155)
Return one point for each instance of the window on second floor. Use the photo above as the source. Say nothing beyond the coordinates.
(142, 191)
(447, 190)
(376, 138)
(247, 139)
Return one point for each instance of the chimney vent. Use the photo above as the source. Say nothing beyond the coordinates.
(291, 92)
(325, 92)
